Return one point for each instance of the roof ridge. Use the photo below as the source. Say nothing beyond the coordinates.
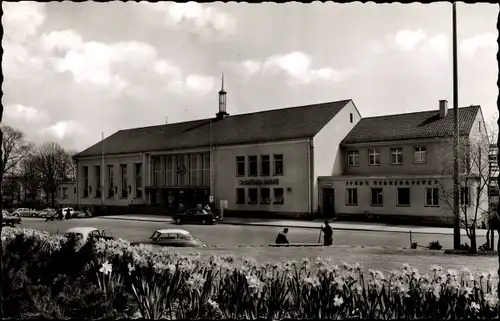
(418, 112)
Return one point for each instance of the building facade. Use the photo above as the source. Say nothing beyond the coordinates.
(263, 163)
(399, 166)
(66, 194)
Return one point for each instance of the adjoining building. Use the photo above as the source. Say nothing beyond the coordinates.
(66, 193)
(392, 167)
(260, 164)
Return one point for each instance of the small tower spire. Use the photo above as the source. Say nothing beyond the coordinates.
(222, 101)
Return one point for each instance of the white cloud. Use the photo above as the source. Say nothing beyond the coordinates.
(25, 114)
(194, 16)
(63, 129)
(483, 41)
(164, 67)
(65, 40)
(21, 20)
(298, 66)
(199, 84)
(409, 39)
(18, 62)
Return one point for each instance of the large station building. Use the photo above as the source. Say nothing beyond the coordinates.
(263, 163)
(294, 162)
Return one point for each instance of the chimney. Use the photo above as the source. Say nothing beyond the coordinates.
(443, 108)
(222, 102)
(166, 120)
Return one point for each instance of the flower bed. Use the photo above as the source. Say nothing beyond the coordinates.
(53, 277)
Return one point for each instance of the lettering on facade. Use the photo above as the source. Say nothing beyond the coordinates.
(259, 182)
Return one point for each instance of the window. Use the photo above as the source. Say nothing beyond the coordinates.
(465, 196)
(206, 169)
(352, 196)
(404, 196)
(396, 156)
(352, 158)
(419, 155)
(377, 197)
(195, 169)
(265, 196)
(240, 196)
(111, 182)
(432, 196)
(156, 171)
(170, 172)
(123, 170)
(351, 118)
(240, 165)
(265, 165)
(97, 183)
(373, 157)
(278, 165)
(279, 197)
(252, 165)
(85, 181)
(138, 180)
(252, 196)
(182, 170)
(65, 193)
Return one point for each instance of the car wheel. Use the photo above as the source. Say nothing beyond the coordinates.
(203, 222)
(42, 216)
(178, 222)
(33, 215)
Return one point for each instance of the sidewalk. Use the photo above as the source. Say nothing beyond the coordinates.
(350, 226)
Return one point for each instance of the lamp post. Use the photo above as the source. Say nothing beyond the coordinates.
(456, 200)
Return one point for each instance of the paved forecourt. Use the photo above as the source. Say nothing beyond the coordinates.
(248, 235)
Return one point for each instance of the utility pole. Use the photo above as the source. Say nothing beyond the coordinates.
(456, 190)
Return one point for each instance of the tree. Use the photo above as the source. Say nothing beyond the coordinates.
(30, 180)
(52, 164)
(474, 179)
(15, 149)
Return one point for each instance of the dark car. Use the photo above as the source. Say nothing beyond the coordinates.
(194, 216)
(173, 238)
(9, 219)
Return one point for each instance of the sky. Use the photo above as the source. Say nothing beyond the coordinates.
(75, 70)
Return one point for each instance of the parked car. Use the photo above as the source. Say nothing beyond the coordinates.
(86, 233)
(24, 212)
(81, 214)
(46, 213)
(194, 216)
(173, 238)
(10, 220)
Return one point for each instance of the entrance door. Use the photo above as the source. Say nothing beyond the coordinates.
(328, 202)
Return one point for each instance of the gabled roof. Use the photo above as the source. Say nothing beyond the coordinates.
(264, 126)
(425, 124)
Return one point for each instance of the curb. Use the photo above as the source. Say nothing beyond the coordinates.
(283, 225)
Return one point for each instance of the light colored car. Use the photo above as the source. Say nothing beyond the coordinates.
(173, 238)
(24, 212)
(9, 219)
(86, 233)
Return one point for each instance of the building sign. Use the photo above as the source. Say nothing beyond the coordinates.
(259, 182)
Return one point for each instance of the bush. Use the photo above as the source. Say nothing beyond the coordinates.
(435, 245)
(414, 245)
(464, 247)
(114, 279)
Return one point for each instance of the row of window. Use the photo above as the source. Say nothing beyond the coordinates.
(265, 165)
(125, 189)
(403, 196)
(251, 196)
(182, 170)
(419, 156)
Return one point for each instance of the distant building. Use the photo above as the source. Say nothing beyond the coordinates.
(390, 166)
(66, 193)
(493, 193)
(259, 164)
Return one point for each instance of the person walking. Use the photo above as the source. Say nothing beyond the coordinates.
(68, 214)
(281, 239)
(327, 234)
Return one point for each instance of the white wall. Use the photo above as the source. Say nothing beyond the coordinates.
(327, 152)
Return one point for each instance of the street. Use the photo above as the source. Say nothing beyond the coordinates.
(226, 235)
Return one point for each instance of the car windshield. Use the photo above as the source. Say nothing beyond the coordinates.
(155, 235)
(73, 235)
